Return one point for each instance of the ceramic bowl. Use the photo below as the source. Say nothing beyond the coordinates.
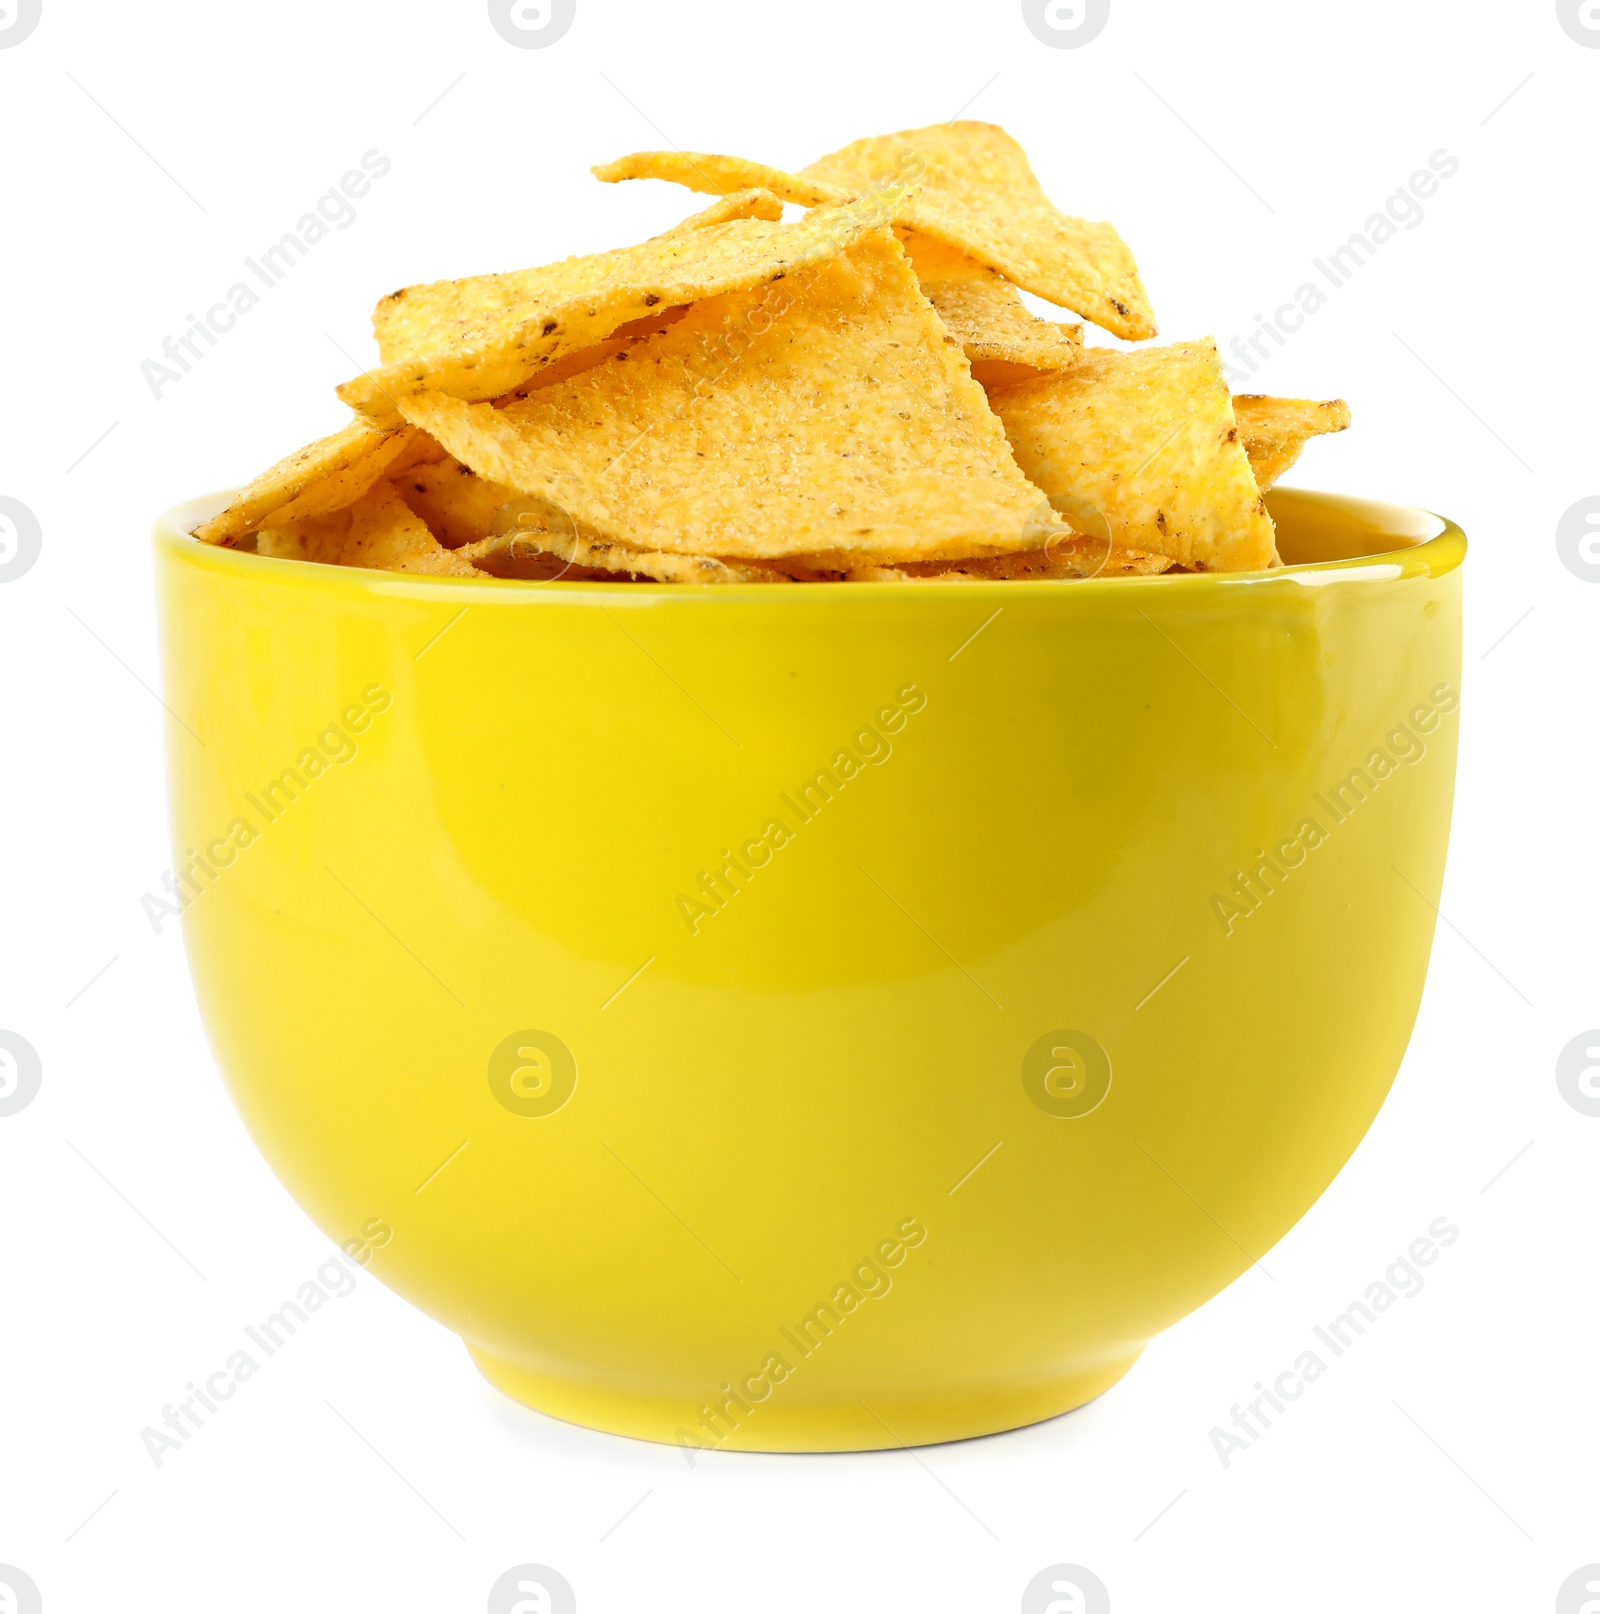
(813, 1017)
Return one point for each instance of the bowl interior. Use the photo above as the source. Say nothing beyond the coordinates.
(1314, 528)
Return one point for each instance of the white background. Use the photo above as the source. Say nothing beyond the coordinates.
(1447, 1461)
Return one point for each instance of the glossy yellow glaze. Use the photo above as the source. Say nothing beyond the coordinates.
(855, 1084)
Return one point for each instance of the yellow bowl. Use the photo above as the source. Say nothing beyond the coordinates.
(813, 1018)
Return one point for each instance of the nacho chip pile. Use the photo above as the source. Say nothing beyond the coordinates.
(857, 393)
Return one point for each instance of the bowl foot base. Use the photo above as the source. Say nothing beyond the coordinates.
(785, 1423)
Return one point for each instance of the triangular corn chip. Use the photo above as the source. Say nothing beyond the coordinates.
(484, 337)
(712, 175)
(458, 507)
(1274, 430)
(1002, 339)
(325, 475)
(541, 554)
(826, 416)
(461, 508)
(754, 203)
(400, 316)
(1076, 556)
(378, 532)
(505, 533)
(987, 317)
(934, 261)
(419, 451)
(1148, 440)
(977, 195)
(622, 340)
(514, 559)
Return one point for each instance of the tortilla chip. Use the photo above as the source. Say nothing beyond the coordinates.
(934, 261)
(419, 450)
(1076, 556)
(484, 337)
(977, 195)
(720, 176)
(999, 372)
(830, 416)
(317, 538)
(325, 475)
(754, 203)
(622, 340)
(1001, 337)
(457, 507)
(386, 536)
(987, 317)
(1148, 440)
(545, 555)
(378, 532)
(509, 534)
(466, 512)
(1274, 430)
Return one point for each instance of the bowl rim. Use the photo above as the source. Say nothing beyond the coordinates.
(1428, 545)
